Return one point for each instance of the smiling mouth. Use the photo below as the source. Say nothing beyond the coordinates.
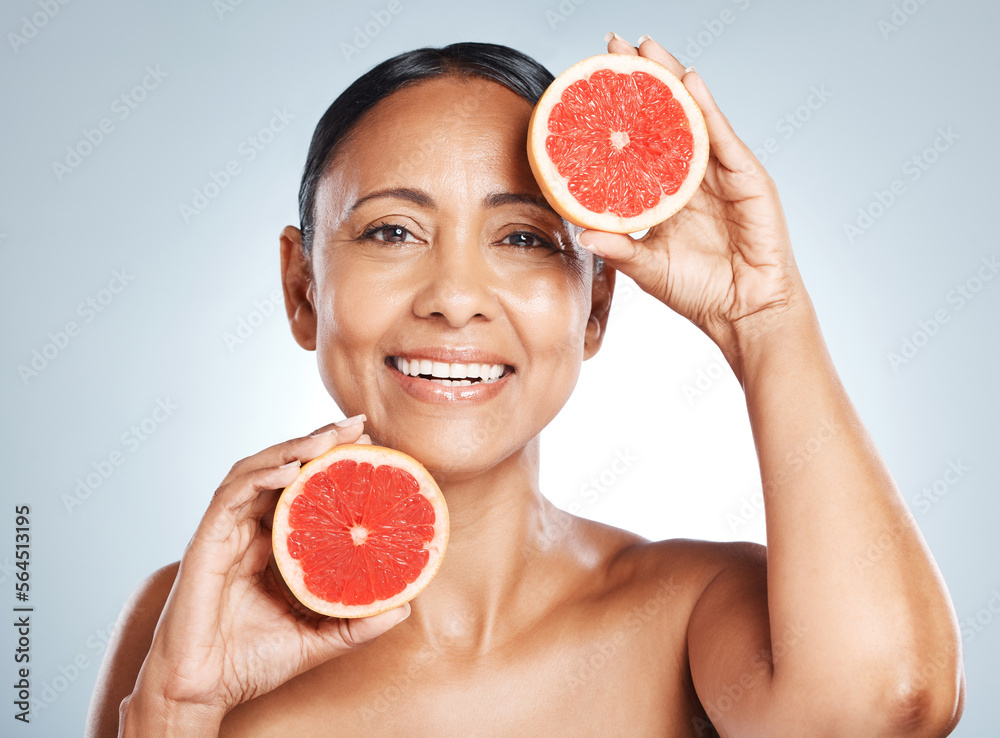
(449, 374)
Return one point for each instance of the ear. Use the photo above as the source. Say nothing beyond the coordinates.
(297, 282)
(600, 308)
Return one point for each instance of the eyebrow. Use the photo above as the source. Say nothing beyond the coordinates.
(499, 199)
(421, 198)
(417, 197)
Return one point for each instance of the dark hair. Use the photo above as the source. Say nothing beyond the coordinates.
(514, 70)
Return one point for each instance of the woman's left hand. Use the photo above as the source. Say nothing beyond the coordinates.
(726, 257)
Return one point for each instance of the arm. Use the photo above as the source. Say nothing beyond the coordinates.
(113, 711)
(194, 639)
(126, 651)
(857, 634)
(846, 628)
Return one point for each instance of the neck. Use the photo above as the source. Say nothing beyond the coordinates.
(498, 519)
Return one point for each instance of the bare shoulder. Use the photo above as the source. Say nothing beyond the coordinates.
(691, 564)
(696, 570)
(662, 608)
(690, 571)
(695, 561)
(127, 650)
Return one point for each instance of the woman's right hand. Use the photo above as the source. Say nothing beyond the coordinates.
(227, 633)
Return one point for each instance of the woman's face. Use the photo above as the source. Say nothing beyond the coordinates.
(432, 238)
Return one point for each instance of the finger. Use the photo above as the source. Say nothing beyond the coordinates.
(301, 449)
(728, 148)
(618, 45)
(630, 256)
(238, 501)
(263, 508)
(266, 519)
(615, 247)
(339, 424)
(258, 554)
(652, 50)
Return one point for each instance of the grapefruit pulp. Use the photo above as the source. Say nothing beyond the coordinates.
(617, 143)
(361, 530)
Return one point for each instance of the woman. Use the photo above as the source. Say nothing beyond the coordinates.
(424, 235)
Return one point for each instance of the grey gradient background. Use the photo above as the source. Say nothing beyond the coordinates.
(636, 446)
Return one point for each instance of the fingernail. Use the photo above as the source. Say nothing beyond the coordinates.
(689, 69)
(610, 35)
(296, 462)
(643, 37)
(364, 438)
(354, 420)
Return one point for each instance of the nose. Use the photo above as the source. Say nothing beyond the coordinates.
(458, 283)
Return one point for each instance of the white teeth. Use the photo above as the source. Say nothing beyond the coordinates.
(450, 382)
(449, 374)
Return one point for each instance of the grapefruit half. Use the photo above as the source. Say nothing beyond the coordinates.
(617, 143)
(361, 530)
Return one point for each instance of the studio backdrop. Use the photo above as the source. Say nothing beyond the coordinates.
(152, 154)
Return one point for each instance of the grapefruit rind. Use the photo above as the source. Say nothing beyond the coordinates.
(290, 568)
(554, 185)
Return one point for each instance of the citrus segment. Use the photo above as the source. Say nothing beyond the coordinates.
(361, 530)
(617, 143)
(620, 153)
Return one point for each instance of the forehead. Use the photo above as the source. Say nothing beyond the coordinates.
(456, 137)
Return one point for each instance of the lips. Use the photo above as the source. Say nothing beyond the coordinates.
(454, 355)
(454, 373)
(457, 390)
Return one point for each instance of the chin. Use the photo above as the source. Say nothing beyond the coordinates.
(448, 455)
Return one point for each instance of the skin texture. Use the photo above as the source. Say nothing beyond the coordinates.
(538, 622)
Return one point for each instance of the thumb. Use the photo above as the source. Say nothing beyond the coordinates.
(357, 632)
(335, 637)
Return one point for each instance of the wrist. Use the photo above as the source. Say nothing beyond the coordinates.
(781, 329)
(143, 714)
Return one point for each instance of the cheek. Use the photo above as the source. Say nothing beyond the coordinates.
(355, 310)
(552, 308)
(355, 303)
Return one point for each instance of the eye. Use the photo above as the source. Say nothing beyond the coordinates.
(386, 233)
(527, 239)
